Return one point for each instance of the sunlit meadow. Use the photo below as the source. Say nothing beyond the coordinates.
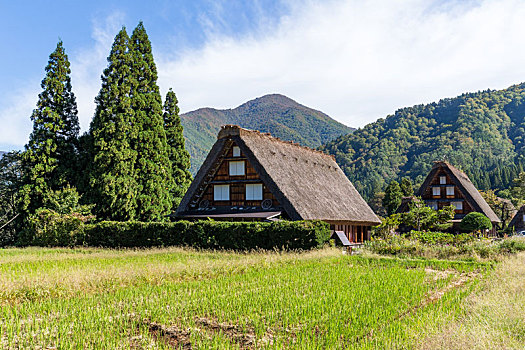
(182, 298)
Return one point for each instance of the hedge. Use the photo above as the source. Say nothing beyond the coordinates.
(201, 234)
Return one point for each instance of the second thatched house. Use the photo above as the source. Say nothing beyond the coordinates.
(250, 175)
(446, 185)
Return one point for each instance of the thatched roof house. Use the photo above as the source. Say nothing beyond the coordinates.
(253, 176)
(517, 223)
(446, 185)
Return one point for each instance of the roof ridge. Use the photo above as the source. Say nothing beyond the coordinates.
(232, 129)
(439, 162)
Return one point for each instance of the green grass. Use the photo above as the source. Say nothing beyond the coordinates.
(159, 298)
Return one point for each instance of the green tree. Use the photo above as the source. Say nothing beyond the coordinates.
(406, 187)
(475, 222)
(422, 218)
(419, 216)
(113, 185)
(443, 219)
(10, 177)
(388, 226)
(392, 198)
(179, 157)
(501, 206)
(49, 159)
(518, 189)
(152, 168)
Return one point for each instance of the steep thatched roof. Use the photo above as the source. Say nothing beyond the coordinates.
(308, 183)
(516, 222)
(466, 187)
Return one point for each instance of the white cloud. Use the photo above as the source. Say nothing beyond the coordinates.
(15, 116)
(86, 68)
(359, 60)
(355, 60)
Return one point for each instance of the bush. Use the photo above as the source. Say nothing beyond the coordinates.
(50, 228)
(463, 247)
(395, 245)
(475, 221)
(512, 245)
(463, 238)
(209, 234)
(432, 238)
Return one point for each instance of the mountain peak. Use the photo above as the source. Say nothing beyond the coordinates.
(276, 114)
(274, 99)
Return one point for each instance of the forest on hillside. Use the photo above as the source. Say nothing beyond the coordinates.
(481, 133)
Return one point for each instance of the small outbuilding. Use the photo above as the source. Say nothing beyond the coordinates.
(249, 175)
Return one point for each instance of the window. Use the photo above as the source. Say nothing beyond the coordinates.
(436, 191)
(254, 192)
(458, 205)
(523, 218)
(450, 190)
(442, 180)
(237, 168)
(236, 151)
(221, 192)
(433, 205)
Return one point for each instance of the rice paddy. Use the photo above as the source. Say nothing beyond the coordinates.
(181, 298)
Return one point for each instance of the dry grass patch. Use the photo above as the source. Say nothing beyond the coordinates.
(39, 273)
(494, 316)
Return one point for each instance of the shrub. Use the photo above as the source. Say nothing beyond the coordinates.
(209, 234)
(59, 222)
(387, 227)
(512, 245)
(50, 228)
(432, 237)
(395, 245)
(475, 221)
(463, 238)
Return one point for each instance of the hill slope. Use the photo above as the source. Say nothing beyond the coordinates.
(276, 114)
(482, 133)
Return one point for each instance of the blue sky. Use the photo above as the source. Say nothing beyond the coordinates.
(31, 29)
(355, 60)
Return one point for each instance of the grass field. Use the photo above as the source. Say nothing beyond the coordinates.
(181, 298)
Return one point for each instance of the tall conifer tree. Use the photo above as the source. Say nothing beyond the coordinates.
(393, 197)
(49, 158)
(406, 187)
(153, 169)
(113, 183)
(179, 157)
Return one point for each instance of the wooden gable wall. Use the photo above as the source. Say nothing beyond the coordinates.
(237, 183)
(443, 199)
(518, 222)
